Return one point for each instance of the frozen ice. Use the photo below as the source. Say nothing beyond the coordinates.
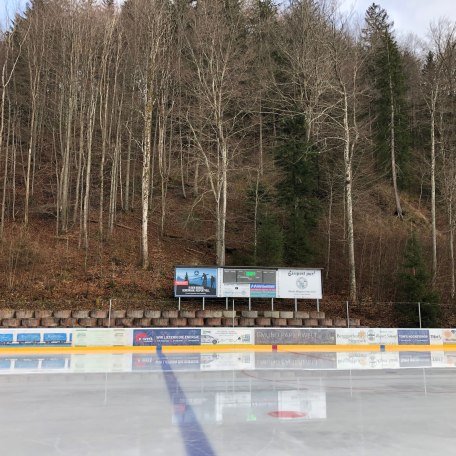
(382, 403)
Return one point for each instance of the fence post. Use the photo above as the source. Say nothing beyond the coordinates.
(233, 311)
(318, 305)
(250, 303)
(179, 303)
(272, 303)
(348, 316)
(109, 314)
(296, 304)
(419, 312)
(226, 303)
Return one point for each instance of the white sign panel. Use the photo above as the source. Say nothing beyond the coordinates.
(299, 283)
(107, 337)
(238, 290)
(213, 336)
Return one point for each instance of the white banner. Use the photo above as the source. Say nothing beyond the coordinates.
(299, 284)
(217, 336)
(109, 337)
(238, 290)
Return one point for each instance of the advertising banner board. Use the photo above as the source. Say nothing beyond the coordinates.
(194, 281)
(119, 337)
(295, 336)
(299, 284)
(449, 336)
(413, 336)
(143, 337)
(36, 337)
(232, 290)
(247, 282)
(214, 336)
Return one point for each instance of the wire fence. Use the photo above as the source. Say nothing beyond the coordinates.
(367, 313)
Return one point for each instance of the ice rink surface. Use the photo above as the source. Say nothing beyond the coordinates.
(228, 404)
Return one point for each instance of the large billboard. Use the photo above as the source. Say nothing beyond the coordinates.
(247, 282)
(195, 281)
(299, 283)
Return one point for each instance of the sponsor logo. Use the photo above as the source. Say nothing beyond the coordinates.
(301, 283)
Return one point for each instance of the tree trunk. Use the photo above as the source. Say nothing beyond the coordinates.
(393, 152)
(433, 214)
(349, 202)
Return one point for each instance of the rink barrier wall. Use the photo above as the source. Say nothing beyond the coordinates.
(171, 340)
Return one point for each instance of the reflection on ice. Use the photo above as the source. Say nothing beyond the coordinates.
(236, 361)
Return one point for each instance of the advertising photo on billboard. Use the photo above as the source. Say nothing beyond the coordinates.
(194, 281)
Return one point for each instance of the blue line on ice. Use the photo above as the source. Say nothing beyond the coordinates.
(195, 440)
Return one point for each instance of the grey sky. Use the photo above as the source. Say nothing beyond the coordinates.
(409, 16)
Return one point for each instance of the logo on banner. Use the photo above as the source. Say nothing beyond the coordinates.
(302, 283)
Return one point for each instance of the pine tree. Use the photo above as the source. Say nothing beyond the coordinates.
(297, 191)
(269, 250)
(414, 285)
(387, 77)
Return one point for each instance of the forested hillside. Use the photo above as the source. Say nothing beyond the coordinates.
(163, 132)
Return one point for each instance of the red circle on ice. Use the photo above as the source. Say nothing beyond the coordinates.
(287, 414)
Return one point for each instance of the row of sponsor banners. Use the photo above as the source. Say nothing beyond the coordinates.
(112, 337)
(189, 362)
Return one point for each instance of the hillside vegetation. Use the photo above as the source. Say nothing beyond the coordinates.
(159, 132)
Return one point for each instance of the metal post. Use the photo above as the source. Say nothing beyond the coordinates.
(204, 302)
(250, 303)
(179, 303)
(109, 314)
(296, 304)
(272, 303)
(226, 303)
(419, 312)
(233, 311)
(318, 305)
(348, 317)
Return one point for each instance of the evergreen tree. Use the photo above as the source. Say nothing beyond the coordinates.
(269, 250)
(387, 77)
(414, 286)
(297, 191)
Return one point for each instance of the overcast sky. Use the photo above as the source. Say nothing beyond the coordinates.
(408, 15)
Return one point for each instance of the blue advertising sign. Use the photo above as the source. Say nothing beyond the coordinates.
(56, 339)
(195, 281)
(6, 339)
(413, 336)
(149, 337)
(262, 290)
(28, 338)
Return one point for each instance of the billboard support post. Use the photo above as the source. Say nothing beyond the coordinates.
(226, 303)
(272, 303)
(250, 303)
(296, 304)
(179, 303)
(419, 313)
(318, 305)
(110, 311)
(204, 303)
(233, 310)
